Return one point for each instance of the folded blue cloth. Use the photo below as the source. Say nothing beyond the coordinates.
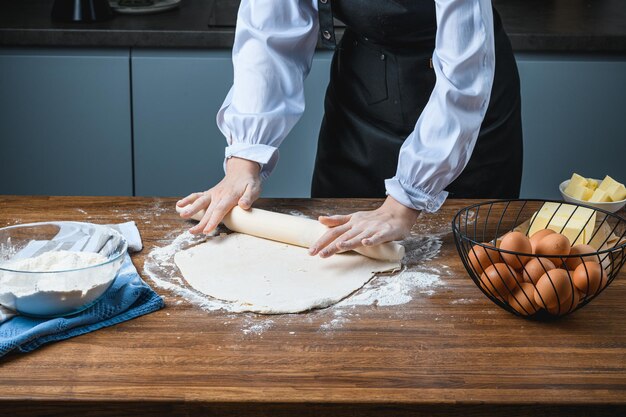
(127, 298)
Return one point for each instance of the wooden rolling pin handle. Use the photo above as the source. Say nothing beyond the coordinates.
(295, 230)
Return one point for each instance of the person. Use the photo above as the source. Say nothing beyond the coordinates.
(423, 104)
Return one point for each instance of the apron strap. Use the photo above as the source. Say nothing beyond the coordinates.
(327, 27)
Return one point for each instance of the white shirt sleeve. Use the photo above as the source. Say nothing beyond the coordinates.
(272, 54)
(439, 148)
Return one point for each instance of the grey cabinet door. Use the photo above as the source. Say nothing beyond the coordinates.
(178, 147)
(65, 122)
(573, 114)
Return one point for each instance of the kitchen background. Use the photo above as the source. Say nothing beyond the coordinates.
(127, 106)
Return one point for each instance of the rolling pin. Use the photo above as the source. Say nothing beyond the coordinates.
(294, 230)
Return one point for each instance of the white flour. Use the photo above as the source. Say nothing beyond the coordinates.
(60, 260)
(57, 286)
(259, 327)
(394, 289)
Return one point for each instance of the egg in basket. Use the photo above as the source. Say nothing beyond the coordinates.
(540, 259)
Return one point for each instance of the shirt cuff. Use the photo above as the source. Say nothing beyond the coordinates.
(414, 197)
(264, 155)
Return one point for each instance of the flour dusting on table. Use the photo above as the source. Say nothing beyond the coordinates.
(415, 280)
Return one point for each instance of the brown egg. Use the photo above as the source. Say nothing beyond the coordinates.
(580, 249)
(535, 268)
(567, 305)
(523, 299)
(498, 279)
(515, 242)
(554, 288)
(537, 236)
(589, 277)
(480, 258)
(554, 244)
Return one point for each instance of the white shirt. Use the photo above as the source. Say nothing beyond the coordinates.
(272, 54)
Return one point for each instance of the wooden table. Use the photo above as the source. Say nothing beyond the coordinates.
(449, 352)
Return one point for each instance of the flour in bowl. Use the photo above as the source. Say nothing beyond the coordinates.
(61, 260)
(54, 281)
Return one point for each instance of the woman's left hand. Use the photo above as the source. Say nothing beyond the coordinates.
(391, 221)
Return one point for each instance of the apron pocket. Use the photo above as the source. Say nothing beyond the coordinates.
(362, 72)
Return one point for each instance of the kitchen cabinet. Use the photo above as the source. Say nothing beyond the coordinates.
(573, 113)
(178, 147)
(142, 121)
(65, 122)
(572, 116)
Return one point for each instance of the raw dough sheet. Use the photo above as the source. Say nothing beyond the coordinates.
(271, 277)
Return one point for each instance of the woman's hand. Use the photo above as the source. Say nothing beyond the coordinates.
(241, 186)
(391, 221)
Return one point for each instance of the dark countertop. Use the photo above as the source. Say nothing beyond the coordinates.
(533, 25)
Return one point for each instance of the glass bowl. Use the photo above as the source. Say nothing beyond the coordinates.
(54, 269)
(505, 276)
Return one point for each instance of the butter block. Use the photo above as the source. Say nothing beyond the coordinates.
(616, 192)
(577, 191)
(607, 182)
(578, 180)
(592, 184)
(600, 196)
(576, 223)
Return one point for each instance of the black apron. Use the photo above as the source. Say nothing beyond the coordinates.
(381, 79)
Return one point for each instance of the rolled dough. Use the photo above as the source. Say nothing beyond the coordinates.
(271, 277)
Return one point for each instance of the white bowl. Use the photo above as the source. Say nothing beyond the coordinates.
(612, 206)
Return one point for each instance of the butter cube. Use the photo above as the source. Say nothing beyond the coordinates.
(600, 196)
(576, 191)
(578, 180)
(607, 182)
(592, 184)
(617, 192)
(576, 223)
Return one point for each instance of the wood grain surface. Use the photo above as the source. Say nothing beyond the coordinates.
(448, 351)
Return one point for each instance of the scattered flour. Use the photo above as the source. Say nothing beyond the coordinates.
(297, 213)
(160, 267)
(464, 301)
(337, 322)
(419, 278)
(384, 290)
(394, 289)
(258, 328)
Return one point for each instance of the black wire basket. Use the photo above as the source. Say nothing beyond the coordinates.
(540, 286)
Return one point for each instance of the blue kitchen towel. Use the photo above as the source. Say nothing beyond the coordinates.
(127, 298)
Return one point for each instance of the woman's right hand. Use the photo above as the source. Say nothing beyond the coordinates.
(240, 186)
